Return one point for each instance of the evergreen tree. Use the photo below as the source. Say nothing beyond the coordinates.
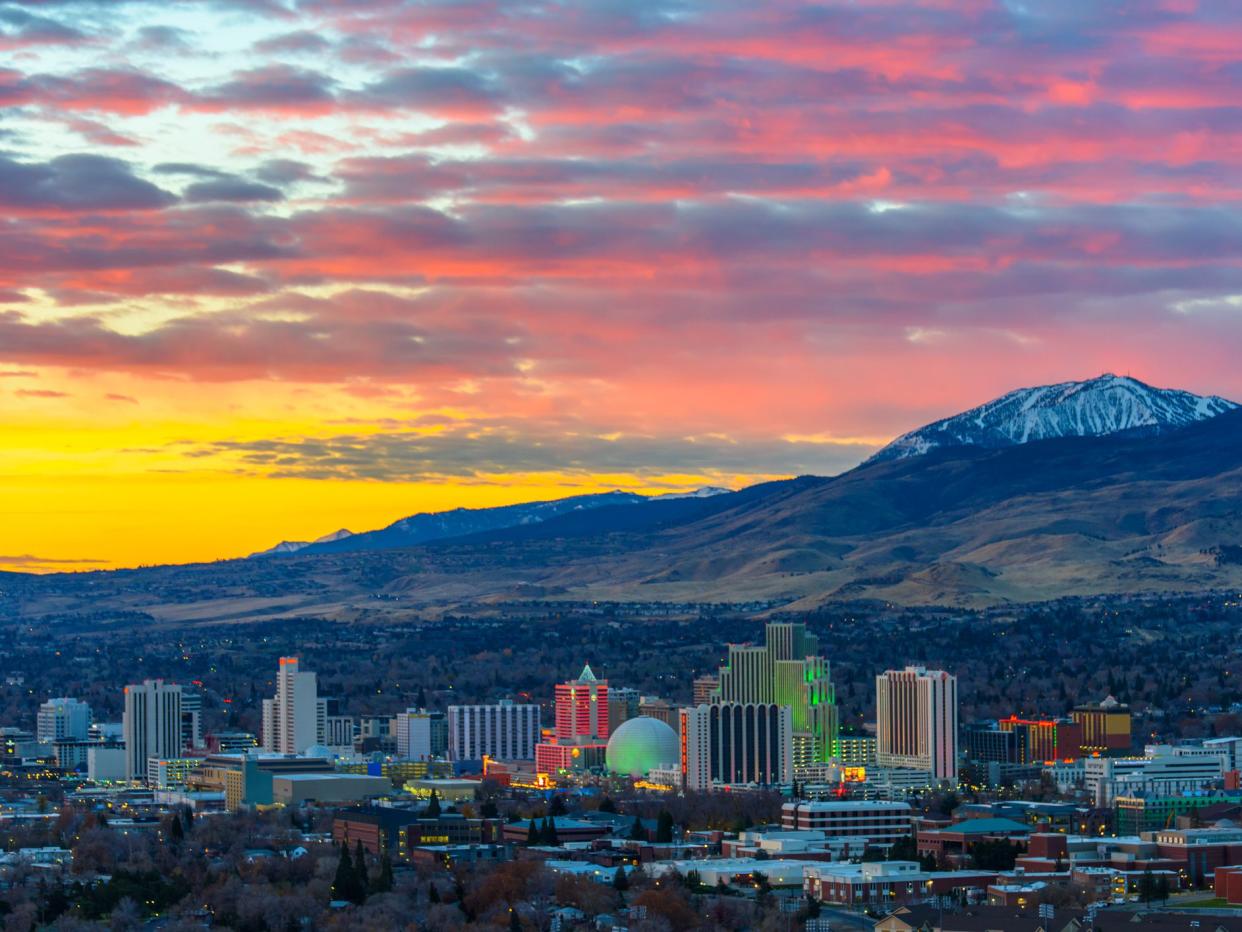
(433, 806)
(1162, 888)
(383, 880)
(532, 834)
(552, 837)
(637, 832)
(812, 907)
(360, 868)
(607, 805)
(433, 894)
(664, 827)
(345, 885)
(1147, 887)
(421, 701)
(619, 880)
(176, 832)
(558, 806)
(515, 921)
(488, 810)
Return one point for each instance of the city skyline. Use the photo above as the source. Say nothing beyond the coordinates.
(272, 270)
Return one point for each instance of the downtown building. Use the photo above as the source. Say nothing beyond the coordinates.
(736, 743)
(504, 731)
(420, 734)
(61, 719)
(581, 733)
(293, 719)
(151, 725)
(916, 721)
(786, 671)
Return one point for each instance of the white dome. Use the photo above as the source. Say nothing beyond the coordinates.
(640, 745)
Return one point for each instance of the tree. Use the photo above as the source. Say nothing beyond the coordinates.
(345, 886)
(812, 907)
(433, 894)
(664, 827)
(607, 805)
(552, 838)
(558, 806)
(637, 832)
(620, 881)
(1147, 887)
(533, 835)
(176, 833)
(488, 810)
(1162, 888)
(421, 700)
(515, 921)
(360, 868)
(383, 880)
(433, 806)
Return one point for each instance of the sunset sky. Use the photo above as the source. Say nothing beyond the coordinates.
(268, 269)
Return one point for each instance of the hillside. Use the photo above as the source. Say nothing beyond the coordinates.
(958, 526)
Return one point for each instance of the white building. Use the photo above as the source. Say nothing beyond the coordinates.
(151, 724)
(731, 743)
(419, 734)
(916, 721)
(504, 731)
(293, 719)
(105, 763)
(63, 718)
(338, 735)
(881, 822)
(1163, 774)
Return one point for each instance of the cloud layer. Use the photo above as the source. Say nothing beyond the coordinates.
(663, 221)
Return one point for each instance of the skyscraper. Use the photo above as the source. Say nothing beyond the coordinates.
(622, 706)
(733, 742)
(788, 671)
(916, 721)
(63, 718)
(293, 719)
(504, 731)
(421, 735)
(151, 725)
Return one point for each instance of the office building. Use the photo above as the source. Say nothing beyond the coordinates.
(230, 742)
(881, 823)
(191, 719)
(1045, 740)
(736, 743)
(787, 671)
(293, 719)
(916, 721)
(856, 750)
(165, 773)
(705, 688)
(421, 735)
(1162, 773)
(338, 734)
(504, 731)
(1105, 727)
(63, 718)
(151, 725)
(623, 705)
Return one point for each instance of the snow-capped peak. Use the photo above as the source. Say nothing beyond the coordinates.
(1104, 405)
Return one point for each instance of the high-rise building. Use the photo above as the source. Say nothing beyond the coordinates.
(151, 725)
(1105, 727)
(191, 719)
(623, 705)
(582, 708)
(581, 732)
(421, 735)
(705, 688)
(63, 718)
(504, 731)
(916, 721)
(293, 719)
(736, 743)
(787, 670)
(339, 733)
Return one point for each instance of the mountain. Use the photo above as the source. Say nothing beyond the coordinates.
(463, 522)
(295, 546)
(1106, 405)
(1139, 511)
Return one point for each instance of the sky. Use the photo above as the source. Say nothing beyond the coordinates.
(273, 268)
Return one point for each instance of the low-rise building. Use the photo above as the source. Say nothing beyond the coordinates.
(887, 883)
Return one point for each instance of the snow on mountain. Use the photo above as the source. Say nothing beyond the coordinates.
(1108, 404)
(293, 546)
